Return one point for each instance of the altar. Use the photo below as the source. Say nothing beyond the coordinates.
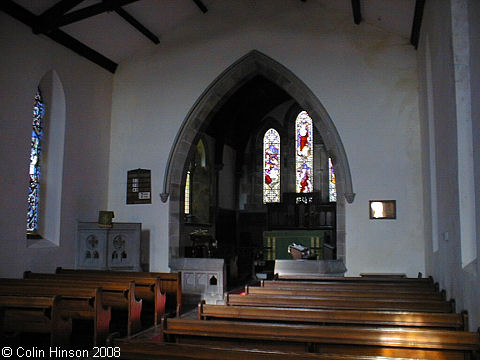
(276, 243)
(309, 269)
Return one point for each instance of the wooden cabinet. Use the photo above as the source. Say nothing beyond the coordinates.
(115, 248)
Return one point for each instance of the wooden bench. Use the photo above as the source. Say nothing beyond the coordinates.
(405, 281)
(395, 342)
(437, 306)
(352, 285)
(118, 295)
(332, 291)
(333, 316)
(169, 283)
(77, 304)
(136, 350)
(35, 314)
(147, 289)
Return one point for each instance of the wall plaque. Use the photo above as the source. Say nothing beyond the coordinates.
(139, 188)
(383, 209)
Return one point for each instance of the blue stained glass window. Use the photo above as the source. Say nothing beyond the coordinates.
(332, 184)
(271, 166)
(304, 153)
(34, 169)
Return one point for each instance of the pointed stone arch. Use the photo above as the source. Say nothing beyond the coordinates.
(253, 64)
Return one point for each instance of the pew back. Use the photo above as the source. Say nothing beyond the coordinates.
(169, 283)
(373, 304)
(332, 291)
(430, 344)
(332, 316)
(35, 314)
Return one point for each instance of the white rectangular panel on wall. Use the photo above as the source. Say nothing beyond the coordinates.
(115, 248)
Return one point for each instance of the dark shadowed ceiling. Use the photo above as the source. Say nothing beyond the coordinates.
(241, 115)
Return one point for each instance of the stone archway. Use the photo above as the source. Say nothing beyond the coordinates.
(252, 64)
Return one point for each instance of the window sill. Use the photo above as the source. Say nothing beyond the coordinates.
(35, 241)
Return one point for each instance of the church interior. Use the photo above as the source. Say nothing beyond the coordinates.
(236, 150)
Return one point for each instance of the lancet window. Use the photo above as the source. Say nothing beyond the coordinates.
(34, 169)
(304, 153)
(271, 166)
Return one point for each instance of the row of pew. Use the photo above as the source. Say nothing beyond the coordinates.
(326, 318)
(66, 304)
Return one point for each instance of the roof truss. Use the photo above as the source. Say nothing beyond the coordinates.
(417, 22)
(58, 15)
(61, 14)
(357, 13)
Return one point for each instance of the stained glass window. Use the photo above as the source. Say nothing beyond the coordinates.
(34, 172)
(332, 185)
(187, 194)
(304, 153)
(271, 167)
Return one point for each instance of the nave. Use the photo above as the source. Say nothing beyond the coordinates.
(139, 315)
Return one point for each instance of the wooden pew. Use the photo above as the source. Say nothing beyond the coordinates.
(35, 314)
(333, 316)
(332, 291)
(352, 285)
(404, 281)
(170, 283)
(396, 342)
(373, 304)
(147, 289)
(119, 295)
(75, 304)
(132, 350)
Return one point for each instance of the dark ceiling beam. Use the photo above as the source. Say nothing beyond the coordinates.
(417, 23)
(357, 12)
(81, 49)
(137, 25)
(29, 19)
(201, 5)
(92, 10)
(17, 12)
(47, 20)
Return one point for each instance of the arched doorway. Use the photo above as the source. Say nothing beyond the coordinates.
(253, 64)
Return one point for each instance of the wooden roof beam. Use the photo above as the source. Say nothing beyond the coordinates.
(92, 10)
(417, 23)
(201, 5)
(137, 25)
(29, 19)
(357, 12)
(47, 20)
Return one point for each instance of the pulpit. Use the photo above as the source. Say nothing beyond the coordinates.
(203, 244)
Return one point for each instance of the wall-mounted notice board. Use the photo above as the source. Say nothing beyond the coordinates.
(139, 187)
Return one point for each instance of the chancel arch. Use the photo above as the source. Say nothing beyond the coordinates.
(203, 112)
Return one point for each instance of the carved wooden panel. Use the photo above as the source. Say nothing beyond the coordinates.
(115, 248)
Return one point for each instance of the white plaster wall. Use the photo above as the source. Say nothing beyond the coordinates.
(461, 283)
(25, 59)
(365, 77)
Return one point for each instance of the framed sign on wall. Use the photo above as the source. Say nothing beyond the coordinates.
(382, 209)
(139, 187)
